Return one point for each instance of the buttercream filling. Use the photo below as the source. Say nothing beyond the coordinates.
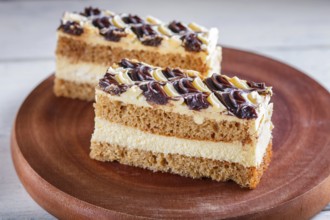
(82, 72)
(248, 155)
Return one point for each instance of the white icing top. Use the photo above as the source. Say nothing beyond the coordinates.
(169, 32)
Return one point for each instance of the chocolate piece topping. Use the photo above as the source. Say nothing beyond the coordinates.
(171, 73)
(217, 82)
(177, 27)
(259, 87)
(109, 31)
(140, 73)
(90, 11)
(196, 101)
(132, 19)
(236, 104)
(231, 97)
(184, 85)
(109, 84)
(71, 27)
(191, 42)
(114, 34)
(125, 63)
(154, 92)
(152, 41)
(147, 35)
(102, 22)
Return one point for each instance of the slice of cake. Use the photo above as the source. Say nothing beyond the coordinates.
(91, 41)
(171, 120)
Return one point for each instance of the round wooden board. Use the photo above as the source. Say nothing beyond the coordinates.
(50, 147)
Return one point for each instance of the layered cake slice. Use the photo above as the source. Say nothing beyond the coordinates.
(90, 41)
(171, 120)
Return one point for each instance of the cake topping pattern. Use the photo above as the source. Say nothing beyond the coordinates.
(147, 35)
(239, 97)
(177, 27)
(154, 93)
(171, 73)
(150, 32)
(114, 34)
(101, 22)
(108, 30)
(71, 27)
(191, 42)
(90, 11)
(132, 19)
(231, 94)
(109, 84)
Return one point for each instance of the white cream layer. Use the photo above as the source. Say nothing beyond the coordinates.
(81, 72)
(132, 138)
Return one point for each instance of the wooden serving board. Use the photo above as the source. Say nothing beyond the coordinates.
(50, 147)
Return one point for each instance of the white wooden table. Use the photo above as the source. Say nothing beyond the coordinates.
(295, 32)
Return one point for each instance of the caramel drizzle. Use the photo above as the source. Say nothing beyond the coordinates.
(231, 97)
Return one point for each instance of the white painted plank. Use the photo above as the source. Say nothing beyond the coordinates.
(17, 80)
(28, 28)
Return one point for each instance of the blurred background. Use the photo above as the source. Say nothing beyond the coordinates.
(294, 32)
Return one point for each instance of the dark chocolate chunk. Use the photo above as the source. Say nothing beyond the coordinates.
(236, 104)
(108, 30)
(152, 41)
(154, 93)
(191, 42)
(256, 85)
(71, 27)
(140, 73)
(231, 97)
(147, 35)
(247, 112)
(196, 101)
(132, 19)
(217, 82)
(177, 27)
(109, 84)
(171, 73)
(90, 11)
(102, 22)
(259, 87)
(114, 34)
(125, 63)
(184, 85)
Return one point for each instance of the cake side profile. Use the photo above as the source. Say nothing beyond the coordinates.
(170, 120)
(90, 41)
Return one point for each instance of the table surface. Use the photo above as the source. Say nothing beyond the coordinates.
(294, 32)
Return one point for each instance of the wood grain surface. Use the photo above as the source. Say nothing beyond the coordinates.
(50, 146)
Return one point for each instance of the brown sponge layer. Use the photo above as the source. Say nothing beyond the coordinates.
(83, 91)
(158, 121)
(194, 167)
(78, 50)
